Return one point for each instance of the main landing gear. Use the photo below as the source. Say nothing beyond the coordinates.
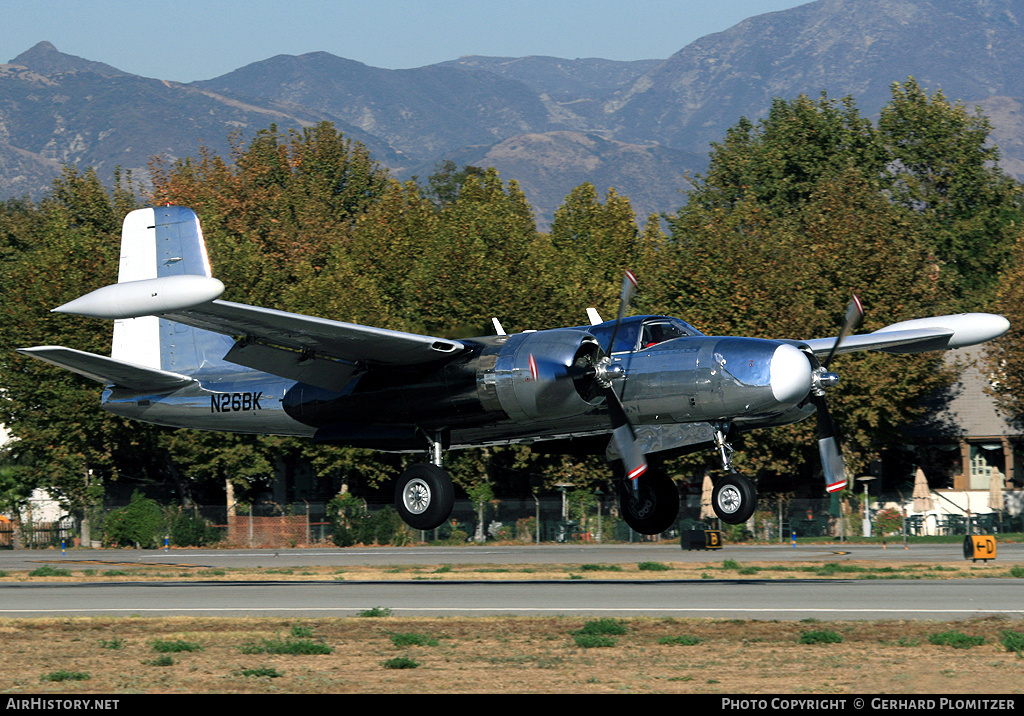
(651, 507)
(424, 495)
(733, 498)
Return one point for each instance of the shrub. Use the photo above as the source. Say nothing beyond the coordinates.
(262, 671)
(64, 675)
(139, 523)
(889, 521)
(1012, 641)
(680, 640)
(956, 639)
(188, 530)
(412, 639)
(592, 641)
(821, 636)
(48, 571)
(653, 567)
(290, 647)
(375, 612)
(174, 646)
(352, 523)
(400, 662)
(603, 626)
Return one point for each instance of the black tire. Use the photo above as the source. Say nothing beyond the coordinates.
(653, 507)
(734, 499)
(424, 496)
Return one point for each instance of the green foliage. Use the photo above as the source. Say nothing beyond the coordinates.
(288, 646)
(955, 639)
(173, 646)
(48, 571)
(603, 626)
(593, 641)
(413, 639)
(65, 675)
(653, 567)
(353, 523)
(820, 636)
(139, 523)
(889, 521)
(400, 662)
(375, 612)
(680, 640)
(267, 671)
(1012, 641)
(162, 660)
(185, 529)
(793, 213)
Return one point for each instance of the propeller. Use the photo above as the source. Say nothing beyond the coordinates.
(622, 431)
(828, 437)
(598, 374)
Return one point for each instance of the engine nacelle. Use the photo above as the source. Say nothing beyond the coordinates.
(543, 375)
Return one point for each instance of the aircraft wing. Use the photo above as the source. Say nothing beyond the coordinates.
(322, 337)
(920, 335)
(109, 371)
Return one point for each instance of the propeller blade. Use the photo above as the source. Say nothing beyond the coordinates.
(832, 464)
(854, 315)
(629, 286)
(828, 447)
(625, 439)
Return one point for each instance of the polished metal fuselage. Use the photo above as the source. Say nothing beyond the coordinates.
(502, 389)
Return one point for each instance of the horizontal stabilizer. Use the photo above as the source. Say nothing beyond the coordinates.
(109, 371)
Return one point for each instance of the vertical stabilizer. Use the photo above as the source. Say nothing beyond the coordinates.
(157, 242)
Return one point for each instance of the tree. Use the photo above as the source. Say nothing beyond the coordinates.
(747, 268)
(51, 253)
(943, 168)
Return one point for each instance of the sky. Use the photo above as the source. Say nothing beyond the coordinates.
(188, 40)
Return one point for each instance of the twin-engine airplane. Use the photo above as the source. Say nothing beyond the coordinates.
(632, 387)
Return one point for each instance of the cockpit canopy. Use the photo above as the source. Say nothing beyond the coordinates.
(639, 332)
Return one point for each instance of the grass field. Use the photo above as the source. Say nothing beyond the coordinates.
(380, 653)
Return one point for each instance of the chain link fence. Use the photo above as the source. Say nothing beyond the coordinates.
(555, 518)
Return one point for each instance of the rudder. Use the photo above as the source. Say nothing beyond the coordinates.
(157, 242)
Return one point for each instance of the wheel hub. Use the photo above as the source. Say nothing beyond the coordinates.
(416, 496)
(729, 499)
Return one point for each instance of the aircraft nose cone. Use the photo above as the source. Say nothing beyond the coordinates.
(790, 374)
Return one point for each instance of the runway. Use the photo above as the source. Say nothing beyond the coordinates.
(762, 599)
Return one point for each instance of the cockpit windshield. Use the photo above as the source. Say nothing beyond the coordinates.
(641, 332)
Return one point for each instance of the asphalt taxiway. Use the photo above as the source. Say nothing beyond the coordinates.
(753, 598)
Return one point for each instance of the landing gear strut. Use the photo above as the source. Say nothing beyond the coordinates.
(734, 498)
(424, 495)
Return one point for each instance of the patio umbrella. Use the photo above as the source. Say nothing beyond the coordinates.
(995, 490)
(706, 511)
(922, 495)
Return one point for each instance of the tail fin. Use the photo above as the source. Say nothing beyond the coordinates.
(158, 242)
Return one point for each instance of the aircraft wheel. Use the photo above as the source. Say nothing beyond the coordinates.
(734, 499)
(652, 509)
(424, 496)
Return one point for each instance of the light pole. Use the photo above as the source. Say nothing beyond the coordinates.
(867, 510)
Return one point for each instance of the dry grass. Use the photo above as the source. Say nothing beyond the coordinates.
(505, 654)
(65, 570)
(501, 655)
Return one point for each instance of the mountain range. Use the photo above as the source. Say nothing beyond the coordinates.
(642, 127)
